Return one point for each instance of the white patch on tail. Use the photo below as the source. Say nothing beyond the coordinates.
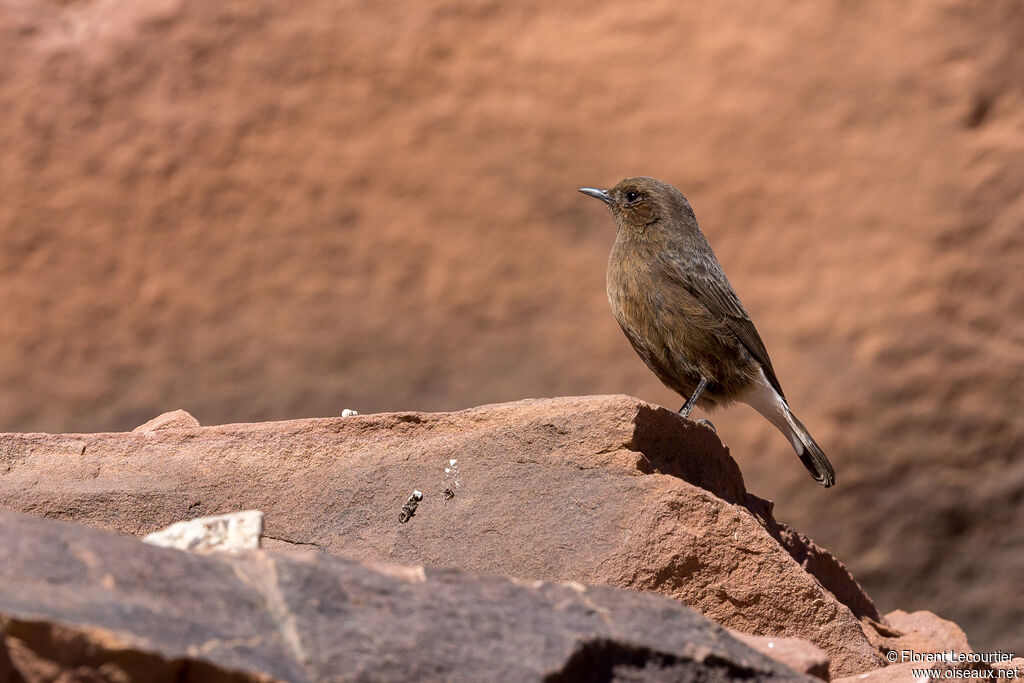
(765, 400)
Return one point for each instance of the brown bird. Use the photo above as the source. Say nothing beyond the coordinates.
(678, 310)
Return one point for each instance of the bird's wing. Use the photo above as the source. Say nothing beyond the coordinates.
(707, 282)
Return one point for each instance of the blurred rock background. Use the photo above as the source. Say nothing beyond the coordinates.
(257, 210)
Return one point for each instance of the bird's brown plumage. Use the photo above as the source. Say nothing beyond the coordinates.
(681, 315)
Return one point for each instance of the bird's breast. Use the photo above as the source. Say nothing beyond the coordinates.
(642, 299)
(637, 300)
(669, 328)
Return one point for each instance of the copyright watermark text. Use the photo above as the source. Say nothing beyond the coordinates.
(958, 665)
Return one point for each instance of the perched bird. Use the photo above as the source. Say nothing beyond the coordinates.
(678, 310)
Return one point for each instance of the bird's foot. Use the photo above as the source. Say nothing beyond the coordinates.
(707, 423)
(685, 412)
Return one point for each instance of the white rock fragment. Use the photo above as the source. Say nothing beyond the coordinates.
(348, 412)
(234, 531)
(414, 574)
(418, 495)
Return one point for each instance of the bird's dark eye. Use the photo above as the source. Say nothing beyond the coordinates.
(632, 196)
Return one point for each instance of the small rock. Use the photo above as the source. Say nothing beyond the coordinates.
(899, 673)
(914, 672)
(1016, 665)
(176, 419)
(235, 531)
(348, 412)
(796, 653)
(920, 631)
(931, 632)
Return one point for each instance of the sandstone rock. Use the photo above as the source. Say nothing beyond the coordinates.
(832, 573)
(175, 419)
(1016, 665)
(796, 653)
(924, 631)
(905, 636)
(600, 490)
(919, 632)
(82, 604)
(898, 673)
(922, 671)
(234, 531)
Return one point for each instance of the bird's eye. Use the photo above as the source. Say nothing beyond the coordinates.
(632, 196)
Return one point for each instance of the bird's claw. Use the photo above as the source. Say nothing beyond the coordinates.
(707, 423)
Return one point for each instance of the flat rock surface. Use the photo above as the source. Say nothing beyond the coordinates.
(82, 604)
(599, 490)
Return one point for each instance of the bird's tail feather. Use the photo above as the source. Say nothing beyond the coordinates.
(809, 452)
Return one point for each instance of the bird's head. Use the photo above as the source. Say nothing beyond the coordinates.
(643, 204)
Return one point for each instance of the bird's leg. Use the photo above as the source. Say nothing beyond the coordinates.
(692, 401)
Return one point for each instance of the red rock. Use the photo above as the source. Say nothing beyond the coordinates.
(832, 573)
(898, 673)
(920, 632)
(600, 490)
(909, 639)
(922, 670)
(1016, 665)
(78, 604)
(796, 653)
(927, 632)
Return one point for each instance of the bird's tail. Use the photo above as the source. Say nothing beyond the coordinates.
(767, 400)
(809, 452)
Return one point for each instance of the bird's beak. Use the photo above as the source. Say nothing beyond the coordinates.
(598, 194)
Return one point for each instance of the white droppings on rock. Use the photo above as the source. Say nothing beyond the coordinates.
(231, 532)
(451, 474)
(348, 412)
